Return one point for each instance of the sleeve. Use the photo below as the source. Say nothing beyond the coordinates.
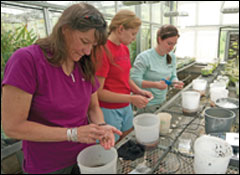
(139, 68)
(95, 86)
(174, 71)
(104, 66)
(20, 71)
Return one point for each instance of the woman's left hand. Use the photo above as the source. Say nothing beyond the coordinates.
(147, 94)
(108, 139)
(178, 84)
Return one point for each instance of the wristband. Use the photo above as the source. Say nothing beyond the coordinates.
(102, 124)
(69, 133)
(74, 136)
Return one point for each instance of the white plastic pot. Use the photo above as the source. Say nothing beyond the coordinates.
(199, 84)
(218, 85)
(146, 128)
(190, 101)
(96, 160)
(218, 92)
(211, 155)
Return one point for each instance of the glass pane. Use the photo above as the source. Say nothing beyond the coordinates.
(20, 27)
(209, 13)
(108, 20)
(133, 51)
(54, 16)
(186, 38)
(63, 3)
(166, 8)
(145, 8)
(207, 45)
(106, 7)
(145, 37)
(156, 16)
(190, 8)
(13, 17)
(122, 6)
(231, 19)
(231, 4)
(154, 35)
(223, 39)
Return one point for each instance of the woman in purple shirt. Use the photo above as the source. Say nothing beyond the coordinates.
(49, 97)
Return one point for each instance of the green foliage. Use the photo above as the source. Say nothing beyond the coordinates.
(13, 40)
(222, 45)
(133, 51)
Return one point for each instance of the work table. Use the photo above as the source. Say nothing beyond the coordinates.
(170, 157)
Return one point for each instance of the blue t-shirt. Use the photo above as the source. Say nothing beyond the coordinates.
(150, 66)
(57, 101)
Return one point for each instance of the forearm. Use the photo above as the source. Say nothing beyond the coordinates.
(96, 115)
(134, 88)
(112, 97)
(148, 84)
(32, 131)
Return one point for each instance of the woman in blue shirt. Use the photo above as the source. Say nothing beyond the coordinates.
(155, 68)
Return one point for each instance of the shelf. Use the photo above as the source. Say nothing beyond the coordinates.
(185, 67)
(10, 149)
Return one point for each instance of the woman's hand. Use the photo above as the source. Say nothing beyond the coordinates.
(108, 139)
(139, 101)
(93, 132)
(178, 84)
(90, 133)
(161, 85)
(147, 94)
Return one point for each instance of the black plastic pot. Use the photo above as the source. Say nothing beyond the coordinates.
(218, 120)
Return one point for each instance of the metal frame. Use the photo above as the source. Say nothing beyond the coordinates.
(229, 33)
(34, 3)
(46, 7)
(11, 149)
(232, 29)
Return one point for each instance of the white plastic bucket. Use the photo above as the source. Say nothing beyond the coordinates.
(218, 92)
(199, 84)
(165, 120)
(211, 155)
(218, 85)
(146, 128)
(190, 101)
(96, 160)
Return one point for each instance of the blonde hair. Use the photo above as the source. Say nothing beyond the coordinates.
(126, 18)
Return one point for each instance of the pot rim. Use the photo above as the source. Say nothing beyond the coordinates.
(233, 114)
(233, 99)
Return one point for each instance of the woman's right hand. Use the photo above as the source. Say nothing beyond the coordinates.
(161, 85)
(90, 133)
(139, 101)
(108, 140)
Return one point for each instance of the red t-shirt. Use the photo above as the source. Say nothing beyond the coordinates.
(116, 76)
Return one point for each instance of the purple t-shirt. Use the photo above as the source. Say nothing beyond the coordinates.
(57, 101)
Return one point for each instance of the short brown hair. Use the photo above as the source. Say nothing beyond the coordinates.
(82, 17)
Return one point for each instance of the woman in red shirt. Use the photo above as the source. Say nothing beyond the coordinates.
(114, 74)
